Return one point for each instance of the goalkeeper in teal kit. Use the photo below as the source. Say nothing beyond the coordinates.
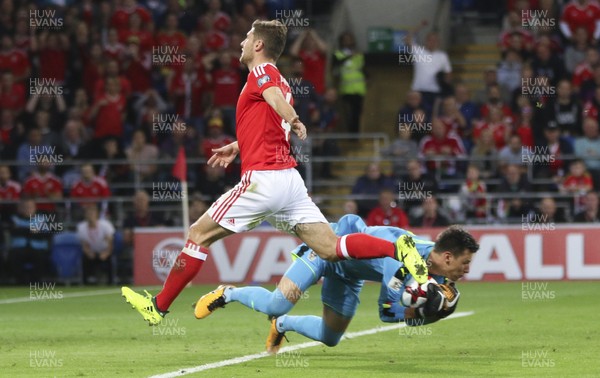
(447, 259)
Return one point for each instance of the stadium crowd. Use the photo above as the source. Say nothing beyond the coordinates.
(133, 81)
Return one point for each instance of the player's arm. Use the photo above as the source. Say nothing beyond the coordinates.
(274, 97)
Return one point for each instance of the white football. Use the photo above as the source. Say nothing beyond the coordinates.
(415, 295)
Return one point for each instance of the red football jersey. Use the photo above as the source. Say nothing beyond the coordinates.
(263, 136)
(94, 189)
(37, 186)
(10, 191)
(575, 16)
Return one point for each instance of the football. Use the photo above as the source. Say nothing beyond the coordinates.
(415, 294)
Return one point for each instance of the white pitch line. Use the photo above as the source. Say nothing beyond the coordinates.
(250, 357)
(77, 294)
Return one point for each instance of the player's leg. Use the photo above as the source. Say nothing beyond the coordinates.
(202, 234)
(303, 273)
(307, 221)
(237, 210)
(340, 300)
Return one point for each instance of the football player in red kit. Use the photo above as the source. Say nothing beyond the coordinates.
(270, 187)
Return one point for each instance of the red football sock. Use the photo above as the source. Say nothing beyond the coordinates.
(184, 270)
(363, 246)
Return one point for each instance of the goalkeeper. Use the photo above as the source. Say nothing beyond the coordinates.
(448, 260)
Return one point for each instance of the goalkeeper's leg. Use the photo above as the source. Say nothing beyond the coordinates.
(297, 279)
(329, 329)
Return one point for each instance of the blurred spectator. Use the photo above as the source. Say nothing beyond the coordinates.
(141, 155)
(514, 26)
(577, 183)
(212, 183)
(513, 207)
(26, 150)
(197, 208)
(490, 78)
(112, 73)
(430, 62)
(181, 136)
(549, 213)
(72, 139)
(42, 123)
(349, 65)
(485, 155)
(565, 110)
(43, 184)
(587, 147)
(515, 153)
(29, 249)
(494, 101)
(54, 106)
(584, 70)
(575, 53)
(96, 237)
(589, 214)
(415, 186)
(444, 147)
(12, 94)
(350, 207)
(431, 217)
(113, 49)
(121, 16)
(215, 138)
(136, 65)
(473, 192)
(112, 173)
(188, 90)
(226, 87)
(170, 35)
(588, 88)
(387, 213)
(52, 48)
(414, 102)
(141, 216)
(584, 13)
(509, 72)
(524, 125)
(10, 190)
(306, 100)
(151, 114)
(401, 149)
(550, 152)
(108, 111)
(451, 116)
(136, 31)
(14, 60)
(90, 186)
(546, 64)
(497, 124)
(467, 107)
(370, 184)
(311, 49)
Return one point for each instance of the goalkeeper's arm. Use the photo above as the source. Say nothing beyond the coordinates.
(441, 302)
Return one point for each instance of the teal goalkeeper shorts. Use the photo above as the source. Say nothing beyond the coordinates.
(339, 292)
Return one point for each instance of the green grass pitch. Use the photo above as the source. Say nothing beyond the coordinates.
(518, 330)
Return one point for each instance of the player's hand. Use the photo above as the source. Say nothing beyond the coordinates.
(435, 301)
(223, 156)
(298, 127)
(451, 295)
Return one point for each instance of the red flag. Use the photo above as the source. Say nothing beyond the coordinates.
(180, 168)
